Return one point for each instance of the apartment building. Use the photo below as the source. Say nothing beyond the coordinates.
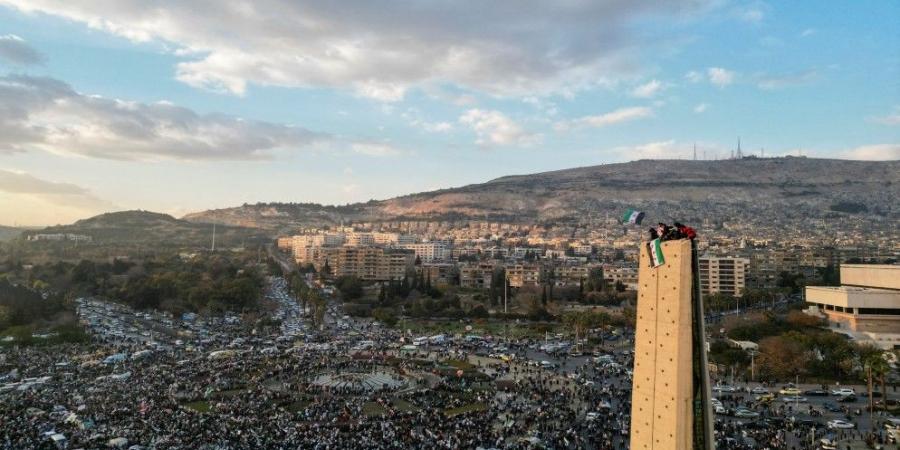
(476, 275)
(285, 243)
(429, 251)
(360, 239)
(628, 276)
(725, 275)
(440, 274)
(365, 263)
(571, 274)
(520, 275)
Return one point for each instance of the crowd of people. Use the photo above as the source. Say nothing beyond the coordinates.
(268, 393)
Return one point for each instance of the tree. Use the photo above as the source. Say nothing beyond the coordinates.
(782, 357)
(875, 367)
(830, 275)
(385, 316)
(350, 286)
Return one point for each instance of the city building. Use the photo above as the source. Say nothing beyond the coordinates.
(724, 275)
(628, 276)
(365, 263)
(60, 237)
(520, 275)
(476, 275)
(428, 251)
(866, 306)
(440, 274)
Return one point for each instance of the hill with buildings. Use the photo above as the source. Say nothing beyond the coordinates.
(134, 227)
(814, 188)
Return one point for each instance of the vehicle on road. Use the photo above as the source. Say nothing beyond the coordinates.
(839, 424)
(790, 391)
(843, 391)
(815, 392)
(746, 413)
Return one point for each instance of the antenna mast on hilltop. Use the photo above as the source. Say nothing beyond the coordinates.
(739, 153)
(695, 151)
(213, 248)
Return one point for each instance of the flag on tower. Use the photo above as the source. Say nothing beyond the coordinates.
(633, 217)
(656, 255)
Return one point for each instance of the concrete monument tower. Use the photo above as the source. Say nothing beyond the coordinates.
(670, 408)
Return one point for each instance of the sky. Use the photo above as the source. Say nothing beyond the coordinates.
(184, 105)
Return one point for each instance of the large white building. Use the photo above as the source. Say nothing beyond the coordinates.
(429, 251)
(866, 306)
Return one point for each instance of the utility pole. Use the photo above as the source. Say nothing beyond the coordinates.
(213, 248)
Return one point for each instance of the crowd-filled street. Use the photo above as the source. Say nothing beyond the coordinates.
(153, 381)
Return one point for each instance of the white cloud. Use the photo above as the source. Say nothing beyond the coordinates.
(610, 118)
(752, 15)
(808, 32)
(378, 149)
(648, 89)
(771, 82)
(892, 118)
(694, 76)
(495, 128)
(382, 49)
(46, 114)
(702, 107)
(719, 76)
(875, 152)
(437, 127)
(15, 50)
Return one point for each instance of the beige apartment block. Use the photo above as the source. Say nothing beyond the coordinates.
(661, 413)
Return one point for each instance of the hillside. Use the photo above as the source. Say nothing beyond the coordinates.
(8, 233)
(136, 227)
(799, 185)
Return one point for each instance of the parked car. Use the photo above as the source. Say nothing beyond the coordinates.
(815, 392)
(843, 391)
(847, 399)
(759, 390)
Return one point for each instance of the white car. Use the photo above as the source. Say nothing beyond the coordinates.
(843, 392)
(759, 390)
(719, 409)
(746, 413)
(793, 399)
(840, 424)
(591, 416)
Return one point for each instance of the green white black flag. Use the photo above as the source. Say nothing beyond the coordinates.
(656, 255)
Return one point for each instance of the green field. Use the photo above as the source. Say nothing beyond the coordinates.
(472, 407)
(199, 406)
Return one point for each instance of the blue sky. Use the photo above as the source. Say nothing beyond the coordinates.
(177, 106)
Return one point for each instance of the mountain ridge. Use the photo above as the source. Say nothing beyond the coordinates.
(810, 184)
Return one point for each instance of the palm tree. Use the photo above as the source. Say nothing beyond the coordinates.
(880, 368)
(876, 366)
